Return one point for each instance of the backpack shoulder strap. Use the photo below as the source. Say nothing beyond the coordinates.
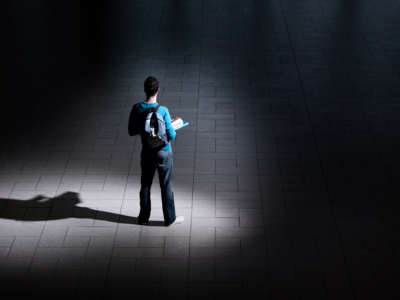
(151, 109)
(154, 109)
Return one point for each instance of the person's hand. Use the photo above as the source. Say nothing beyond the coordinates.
(174, 119)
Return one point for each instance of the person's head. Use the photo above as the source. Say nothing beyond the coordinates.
(150, 86)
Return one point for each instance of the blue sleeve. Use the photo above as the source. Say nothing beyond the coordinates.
(171, 134)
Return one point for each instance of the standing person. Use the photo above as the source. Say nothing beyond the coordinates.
(162, 159)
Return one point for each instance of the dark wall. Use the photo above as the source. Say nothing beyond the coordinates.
(52, 49)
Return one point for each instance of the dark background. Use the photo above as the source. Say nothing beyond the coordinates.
(51, 51)
(337, 61)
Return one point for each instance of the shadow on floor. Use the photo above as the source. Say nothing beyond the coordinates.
(41, 208)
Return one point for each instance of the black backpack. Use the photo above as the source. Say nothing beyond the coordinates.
(155, 135)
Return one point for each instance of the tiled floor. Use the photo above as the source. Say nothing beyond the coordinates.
(286, 175)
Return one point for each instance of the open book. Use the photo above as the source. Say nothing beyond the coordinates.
(178, 123)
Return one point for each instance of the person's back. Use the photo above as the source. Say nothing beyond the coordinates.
(162, 160)
(138, 116)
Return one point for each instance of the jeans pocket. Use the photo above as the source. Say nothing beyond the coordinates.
(162, 157)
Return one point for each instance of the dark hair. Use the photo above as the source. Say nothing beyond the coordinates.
(150, 86)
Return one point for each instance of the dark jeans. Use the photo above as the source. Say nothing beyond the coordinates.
(163, 162)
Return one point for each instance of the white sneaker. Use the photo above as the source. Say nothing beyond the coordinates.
(178, 220)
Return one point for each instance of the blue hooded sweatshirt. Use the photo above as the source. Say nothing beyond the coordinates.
(136, 123)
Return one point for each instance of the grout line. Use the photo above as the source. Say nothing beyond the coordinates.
(188, 285)
(123, 202)
(323, 172)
